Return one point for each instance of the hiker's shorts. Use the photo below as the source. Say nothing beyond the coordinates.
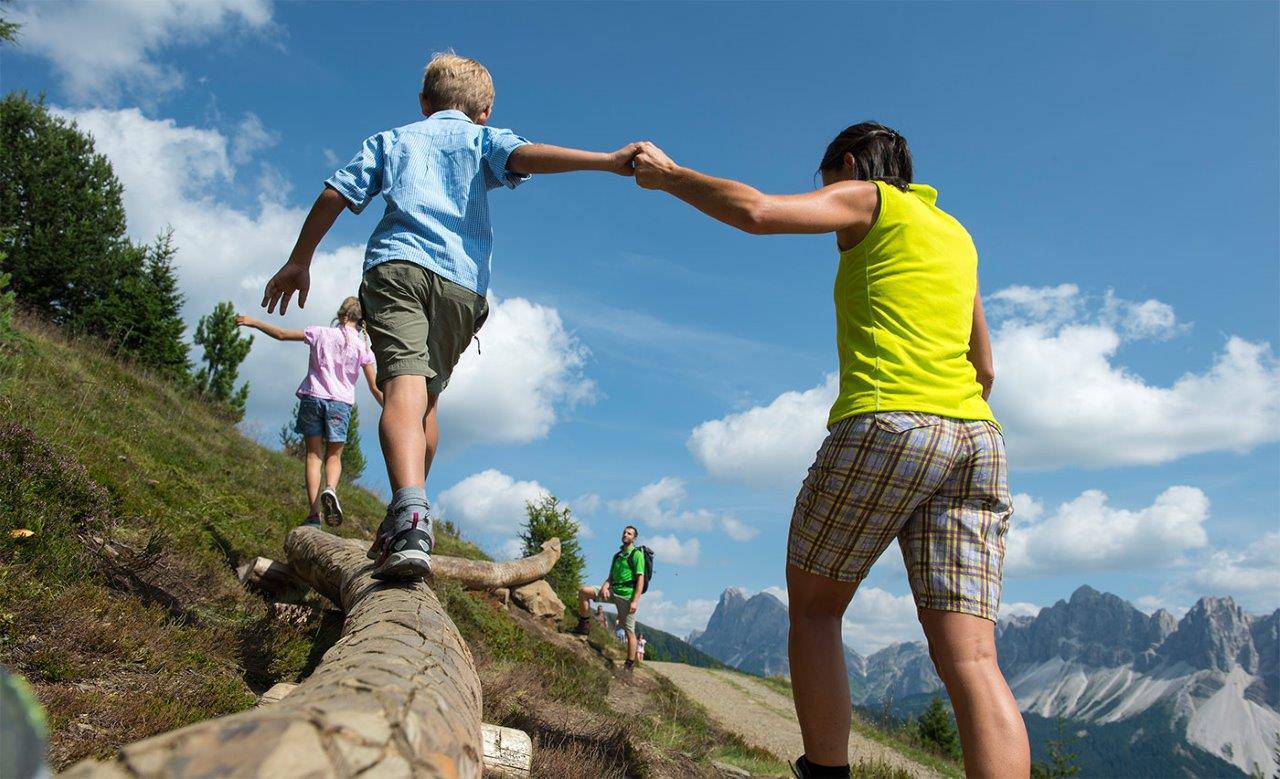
(936, 484)
(625, 618)
(419, 323)
(328, 419)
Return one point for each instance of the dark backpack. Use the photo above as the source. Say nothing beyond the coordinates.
(648, 566)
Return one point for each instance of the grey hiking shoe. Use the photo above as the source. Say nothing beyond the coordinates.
(403, 548)
(330, 508)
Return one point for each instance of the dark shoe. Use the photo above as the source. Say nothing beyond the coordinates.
(330, 507)
(311, 521)
(584, 626)
(406, 556)
(629, 666)
(803, 769)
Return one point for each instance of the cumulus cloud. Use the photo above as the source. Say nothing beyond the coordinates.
(102, 49)
(251, 137)
(489, 502)
(1088, 534)
(877, 618)
(1064, 400)
(1252, 575)
(677, 618)
(658, 505)
(183, 177)
(1061, 395)
(515, 386)
(770, 445)
(672, 550)
(1018, 609)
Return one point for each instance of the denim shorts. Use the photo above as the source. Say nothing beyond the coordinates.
(325, 418)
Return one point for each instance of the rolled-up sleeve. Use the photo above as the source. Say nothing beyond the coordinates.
(498, 145)
(361, 180)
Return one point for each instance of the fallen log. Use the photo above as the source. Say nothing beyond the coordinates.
(485, 575)
(397, 695)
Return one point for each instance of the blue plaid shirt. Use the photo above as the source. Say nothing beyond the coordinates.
(435, 176)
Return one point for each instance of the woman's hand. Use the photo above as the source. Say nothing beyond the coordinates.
(652, 166)
(245, 321)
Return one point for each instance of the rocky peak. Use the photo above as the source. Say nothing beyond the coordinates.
(1092, 627)
(1215, 634)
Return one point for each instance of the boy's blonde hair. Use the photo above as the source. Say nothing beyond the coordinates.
(457, 82)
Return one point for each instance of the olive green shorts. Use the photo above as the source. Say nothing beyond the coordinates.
(419, 323)
(626, 619)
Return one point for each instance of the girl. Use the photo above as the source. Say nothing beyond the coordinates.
(338, 354)
(913, 452)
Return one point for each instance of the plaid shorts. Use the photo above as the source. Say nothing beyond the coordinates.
(938, 485)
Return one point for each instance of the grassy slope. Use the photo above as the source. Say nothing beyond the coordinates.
(93, 448)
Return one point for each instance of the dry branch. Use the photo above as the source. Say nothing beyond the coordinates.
(484, 575)
(397, 695)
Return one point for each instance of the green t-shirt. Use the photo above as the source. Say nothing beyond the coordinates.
(621, 576)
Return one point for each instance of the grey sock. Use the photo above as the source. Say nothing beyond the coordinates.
(405, 502)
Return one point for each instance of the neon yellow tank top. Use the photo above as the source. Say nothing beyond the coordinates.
(904, 311)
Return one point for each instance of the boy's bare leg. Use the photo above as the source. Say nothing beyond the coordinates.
(992, 733)
(314, 462)
(631, 640)
(401, 430)
(431, 432)
(585, 596)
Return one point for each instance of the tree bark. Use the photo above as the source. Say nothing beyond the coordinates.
(484, 575)
(397, 695)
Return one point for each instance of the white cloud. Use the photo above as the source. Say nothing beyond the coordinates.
(877, 618)
(768, 445)
(511, 549)
(1018, 609)
(658, 505)
(250, 138)
(1026, 508)
(331, 158)
(1063, 400)
(179, 176)
(676, 618)
(1252, 576)
(778, 592)
(101, 49)
(489, 502)
(1060, 395)
(514, 387)
(670, 549)
(1087, 534)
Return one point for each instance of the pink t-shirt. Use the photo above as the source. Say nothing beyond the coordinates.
(337, 355)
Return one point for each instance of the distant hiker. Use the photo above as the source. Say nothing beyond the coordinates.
(913, 451)
(426, 268)
(624, 585)
(339, 353)
(601, 617)
(640, 642)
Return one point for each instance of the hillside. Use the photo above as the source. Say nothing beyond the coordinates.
(122, 609)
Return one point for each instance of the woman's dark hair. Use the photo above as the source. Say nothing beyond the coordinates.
(878, 153)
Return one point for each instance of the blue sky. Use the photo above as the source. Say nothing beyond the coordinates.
(1116, 164)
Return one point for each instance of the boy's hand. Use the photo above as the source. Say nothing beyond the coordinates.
(620, 161)
(652, 166)
(292, 277)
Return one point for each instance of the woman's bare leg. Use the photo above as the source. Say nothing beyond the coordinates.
(992, 733)
(819, 679)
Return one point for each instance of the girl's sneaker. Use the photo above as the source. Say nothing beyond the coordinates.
(406, 555)
(311, 521)
(330, 507)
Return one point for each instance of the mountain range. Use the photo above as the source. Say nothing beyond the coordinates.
(1199, 695)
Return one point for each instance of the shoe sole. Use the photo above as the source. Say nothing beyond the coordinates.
(331, 508)
(409, 565)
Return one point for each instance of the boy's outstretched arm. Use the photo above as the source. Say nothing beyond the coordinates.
(544, 158)
(295, 275)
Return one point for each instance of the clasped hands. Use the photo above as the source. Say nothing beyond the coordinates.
(650, 165)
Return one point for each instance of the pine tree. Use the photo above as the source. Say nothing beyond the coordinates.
(936, 728)
(224, 349)
(291, 442)
(548, 519)
(61, 214)
(353, 462)
(1062, 756)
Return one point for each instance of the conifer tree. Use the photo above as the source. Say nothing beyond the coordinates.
(936, 728)
(353, 461)
(224, 349)
(548, 519)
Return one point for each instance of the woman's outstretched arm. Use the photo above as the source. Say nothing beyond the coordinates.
(845, 204)
(278, 333)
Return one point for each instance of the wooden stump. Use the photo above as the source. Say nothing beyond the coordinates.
(397, 695)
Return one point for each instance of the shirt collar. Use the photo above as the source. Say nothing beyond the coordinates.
(451, 113)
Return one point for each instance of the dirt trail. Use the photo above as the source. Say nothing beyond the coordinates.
(764, 717)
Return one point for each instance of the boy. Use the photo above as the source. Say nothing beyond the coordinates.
(426, 269)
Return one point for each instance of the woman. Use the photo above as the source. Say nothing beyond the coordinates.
(913, 451)
(338, 355)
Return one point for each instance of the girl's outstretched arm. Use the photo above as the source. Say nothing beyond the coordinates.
(278, 333)
(373, 383)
